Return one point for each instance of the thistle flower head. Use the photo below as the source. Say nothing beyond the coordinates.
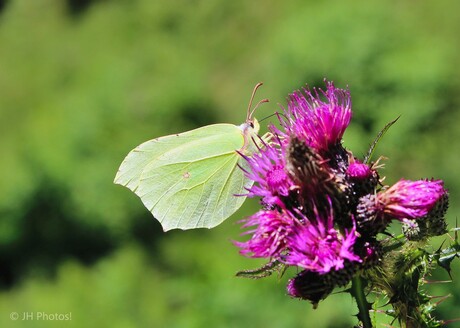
(411, 199)
(319, 121)
(269, 235)
(358, 170)
(267, 169)
(316, 246)
(363, 178)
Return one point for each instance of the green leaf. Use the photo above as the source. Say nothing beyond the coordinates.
(264, 271)
(368, 157)
(447, 256)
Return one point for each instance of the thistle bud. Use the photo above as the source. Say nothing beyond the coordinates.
(310, 286)
(433, 224)
(369, 218)
(363, 179)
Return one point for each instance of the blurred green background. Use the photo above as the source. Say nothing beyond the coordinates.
(82, 82)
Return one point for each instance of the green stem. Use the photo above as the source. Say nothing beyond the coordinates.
(357, 291)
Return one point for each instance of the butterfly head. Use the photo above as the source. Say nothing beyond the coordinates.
(250, 127)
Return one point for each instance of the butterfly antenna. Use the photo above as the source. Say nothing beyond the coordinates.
(256, 106)
(249, 112)
(268, 116)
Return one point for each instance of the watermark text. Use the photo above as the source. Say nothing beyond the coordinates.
(40, 316)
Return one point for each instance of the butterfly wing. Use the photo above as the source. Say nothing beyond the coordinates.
(188, 180)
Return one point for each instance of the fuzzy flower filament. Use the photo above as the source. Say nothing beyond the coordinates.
(411, 199)
(318, 247)
(267, 170)
(320, 123)
(269, 235)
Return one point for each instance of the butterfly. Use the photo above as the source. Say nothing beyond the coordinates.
(189, 180)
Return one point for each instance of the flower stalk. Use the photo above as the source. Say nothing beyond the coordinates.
(357, 291)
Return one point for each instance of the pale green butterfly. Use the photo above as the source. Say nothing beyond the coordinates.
(189, 180)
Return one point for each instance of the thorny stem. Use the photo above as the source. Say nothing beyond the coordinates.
(357, 288)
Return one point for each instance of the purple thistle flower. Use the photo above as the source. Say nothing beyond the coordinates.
(358, 170)
(269, 237)
(267, 169)
(321, 124)
(411, 199)
(317, 246)
(323, 210)
(363, 178)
